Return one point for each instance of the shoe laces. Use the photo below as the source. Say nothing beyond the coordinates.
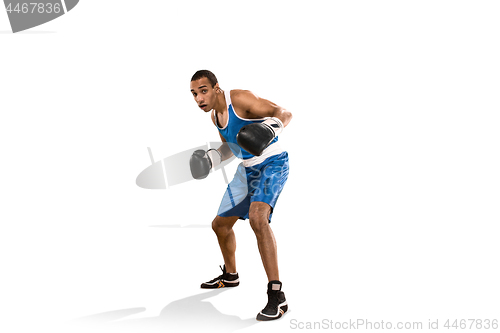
(220, 277)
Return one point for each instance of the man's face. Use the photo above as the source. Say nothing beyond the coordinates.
(204, 94)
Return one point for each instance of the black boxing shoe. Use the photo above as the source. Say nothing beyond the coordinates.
(224, 280)
(276, 303)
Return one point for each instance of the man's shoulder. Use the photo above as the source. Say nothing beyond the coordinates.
(241, 97)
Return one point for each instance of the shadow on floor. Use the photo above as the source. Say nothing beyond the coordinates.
(190, 314)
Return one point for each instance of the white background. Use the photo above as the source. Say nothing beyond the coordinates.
(391, 210)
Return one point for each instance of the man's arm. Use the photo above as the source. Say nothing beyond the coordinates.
(256, 137)
(254, 106)
(224, 149)
(201, 162)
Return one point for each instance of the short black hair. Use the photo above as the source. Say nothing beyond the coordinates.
(205, 73)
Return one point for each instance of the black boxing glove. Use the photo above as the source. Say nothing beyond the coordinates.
(201, 162)
(254, 138)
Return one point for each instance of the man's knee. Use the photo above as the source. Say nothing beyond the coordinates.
(259, 217)
(215, 225)
(222, 224)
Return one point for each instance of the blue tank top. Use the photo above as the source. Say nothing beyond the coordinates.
(233, 126)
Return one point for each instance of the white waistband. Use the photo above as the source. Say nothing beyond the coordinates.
(271, 150)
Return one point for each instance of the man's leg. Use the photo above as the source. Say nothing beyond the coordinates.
(259, 220)
(223, 228)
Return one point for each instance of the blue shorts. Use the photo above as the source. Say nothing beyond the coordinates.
(262, 182)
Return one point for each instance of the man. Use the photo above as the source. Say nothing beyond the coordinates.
(248, 126)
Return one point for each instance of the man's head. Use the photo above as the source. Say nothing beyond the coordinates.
(204, 87)
(205, 73)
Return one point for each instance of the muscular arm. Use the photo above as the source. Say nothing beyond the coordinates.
(255, 107)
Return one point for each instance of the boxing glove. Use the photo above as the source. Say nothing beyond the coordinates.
(254, 138)
(201, 162)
